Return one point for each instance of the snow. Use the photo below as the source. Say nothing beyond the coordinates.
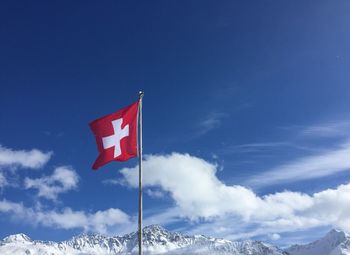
(334, 243)
(17, 238)
(156, 241)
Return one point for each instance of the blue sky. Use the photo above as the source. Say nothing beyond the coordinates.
(245, 101)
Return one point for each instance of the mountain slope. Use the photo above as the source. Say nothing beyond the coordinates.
(334, 243)
(156, 241)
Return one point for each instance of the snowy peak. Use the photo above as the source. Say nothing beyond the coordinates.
(336, 236)
(154, 229)
(155, 234)
(17, 238)
(157, 240)
(335, 242)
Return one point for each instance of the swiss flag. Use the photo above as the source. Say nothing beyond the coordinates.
(116, 135)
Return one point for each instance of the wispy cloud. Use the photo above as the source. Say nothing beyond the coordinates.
(329, 129)
(113, 182)
(165, 216)
(62, 180)
(299, 139)
(154, 193)
(212, 121)
(322, 130)
(3, 181)
(304, 168)
(254, 147)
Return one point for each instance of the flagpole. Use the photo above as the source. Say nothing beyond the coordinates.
(141, 93)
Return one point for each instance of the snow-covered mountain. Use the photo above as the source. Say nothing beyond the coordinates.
(334, 243)
(156, 241)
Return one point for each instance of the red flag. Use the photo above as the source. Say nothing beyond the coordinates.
(116, 135)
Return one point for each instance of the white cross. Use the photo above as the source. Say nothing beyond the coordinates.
(114, 140)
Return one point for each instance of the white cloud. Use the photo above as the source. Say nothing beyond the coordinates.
(177, 174)
(100, 221)
(199, 194)
(164, 216)
(212, 121)
(327, 130)
(33, 159)
(62, 180)
(7, 207)
(254, 147)
(3, 181)
(319, 165)
(112, 182)
(274, 236)
(154, 193)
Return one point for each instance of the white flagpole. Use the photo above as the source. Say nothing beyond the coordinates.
(141, 93)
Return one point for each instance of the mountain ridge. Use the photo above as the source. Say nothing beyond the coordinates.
(335, 242)
(158, 240)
